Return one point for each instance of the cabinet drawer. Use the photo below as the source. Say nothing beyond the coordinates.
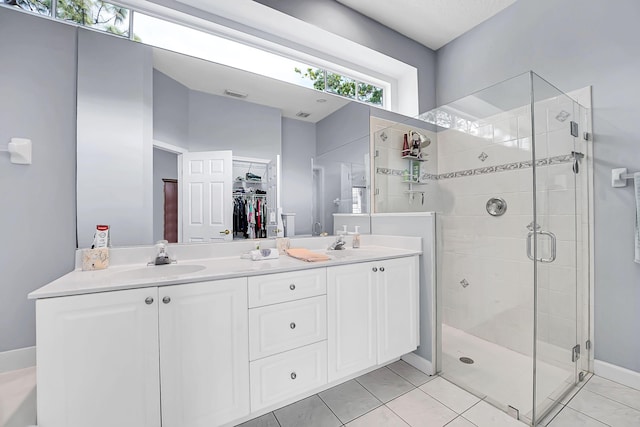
(285, 375)
(282, 287)
(281, 327)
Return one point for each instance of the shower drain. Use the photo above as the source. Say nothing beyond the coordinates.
(466, 360)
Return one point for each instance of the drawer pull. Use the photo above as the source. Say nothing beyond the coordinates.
(292, 325)
(166, 300)
(292, 287)
(375, 269)
(381, 268)
(148, 300)
(293, 375)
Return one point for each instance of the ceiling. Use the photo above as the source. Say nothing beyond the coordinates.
(432, 23)
(214, 78)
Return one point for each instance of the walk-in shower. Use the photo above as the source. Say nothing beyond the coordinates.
(508, 175)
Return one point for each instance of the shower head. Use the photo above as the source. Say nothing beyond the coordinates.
(562, 116)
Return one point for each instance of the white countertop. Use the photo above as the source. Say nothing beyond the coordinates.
(215, 268)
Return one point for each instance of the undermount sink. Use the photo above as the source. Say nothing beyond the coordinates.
(157, 271)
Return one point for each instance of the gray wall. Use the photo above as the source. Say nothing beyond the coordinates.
(573, 44)
(37, 214)
(170, 110)
(222, 123)
(298, 147)
(114, 127)
(165, 166)
(346, 22)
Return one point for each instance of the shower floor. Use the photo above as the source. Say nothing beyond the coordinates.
(502, 375)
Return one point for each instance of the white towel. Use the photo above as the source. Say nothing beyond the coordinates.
(636, 181)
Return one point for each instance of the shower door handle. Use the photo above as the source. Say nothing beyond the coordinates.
(552, 238)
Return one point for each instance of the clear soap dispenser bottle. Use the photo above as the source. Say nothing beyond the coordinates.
(356, 237)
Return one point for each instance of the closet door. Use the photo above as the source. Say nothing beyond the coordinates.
(207, 204)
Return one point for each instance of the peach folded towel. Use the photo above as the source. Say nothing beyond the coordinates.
(306, 255)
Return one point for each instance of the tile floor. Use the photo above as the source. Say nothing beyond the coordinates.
(400, 395)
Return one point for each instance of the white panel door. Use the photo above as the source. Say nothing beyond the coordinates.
(207, 205)
(398, 307)
(351, 316)
(98, 360)
(275, 226)
(204, 353)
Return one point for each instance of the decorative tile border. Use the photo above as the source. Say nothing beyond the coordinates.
(556, 160)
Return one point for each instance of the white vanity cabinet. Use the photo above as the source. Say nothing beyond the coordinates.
(204, 353)
(372, 314)
(218, 352)
(287, 335)
(103, 357)
(98, 360)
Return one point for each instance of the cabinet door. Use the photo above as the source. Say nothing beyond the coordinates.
(98, 360)
(398, 305)
(204, 353)
(351, 316)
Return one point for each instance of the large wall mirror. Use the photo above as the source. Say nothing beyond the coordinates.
(142, 111)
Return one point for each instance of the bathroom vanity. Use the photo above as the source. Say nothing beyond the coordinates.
(216, 340)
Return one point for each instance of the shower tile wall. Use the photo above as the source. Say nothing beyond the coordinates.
(489, 253)
(389, 165)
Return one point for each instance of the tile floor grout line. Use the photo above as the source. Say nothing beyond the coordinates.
(609, 398)
(327, 405)
(398, 415)
(448, 407)
(580, 412)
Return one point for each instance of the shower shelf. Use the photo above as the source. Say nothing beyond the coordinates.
(419, 159)
(414, 182)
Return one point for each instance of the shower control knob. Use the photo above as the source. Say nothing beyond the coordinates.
(148, 300)
(375, 269)
(166, 300)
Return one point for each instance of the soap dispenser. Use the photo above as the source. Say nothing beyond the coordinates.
(356, 237)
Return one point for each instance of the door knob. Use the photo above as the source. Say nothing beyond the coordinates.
(225, 232)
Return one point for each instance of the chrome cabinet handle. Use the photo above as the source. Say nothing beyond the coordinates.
(292, 325)
(166, 300)
(292, 287)
(375, 269)
(149, 300)
(293, 375)
(382, 269)
(552, 238)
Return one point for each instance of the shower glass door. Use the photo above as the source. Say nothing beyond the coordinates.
(486, 284)
(553, 242)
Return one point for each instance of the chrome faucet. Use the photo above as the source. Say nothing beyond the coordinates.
(338, 244)
(162, 257)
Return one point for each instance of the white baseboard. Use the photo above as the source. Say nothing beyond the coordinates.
(17, 359)
(616, 373)
(419, 363)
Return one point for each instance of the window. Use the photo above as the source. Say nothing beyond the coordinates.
(338, 84)
(121, 21)
(94, 14)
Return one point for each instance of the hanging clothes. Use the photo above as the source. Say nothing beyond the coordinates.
(249, 216)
